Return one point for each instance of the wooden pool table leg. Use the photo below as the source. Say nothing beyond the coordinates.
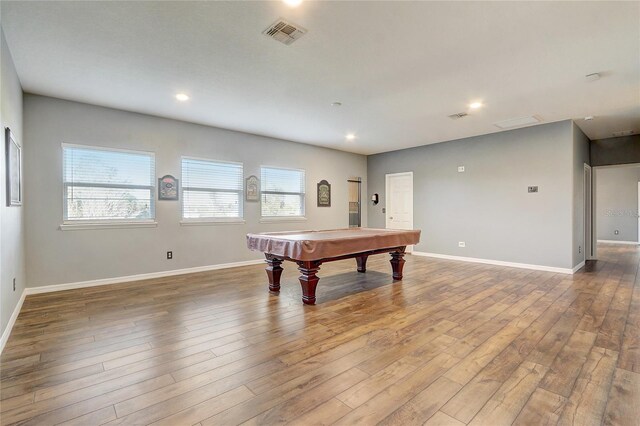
(274, 271)
(309, 280)
(397, 262)
(362, 263)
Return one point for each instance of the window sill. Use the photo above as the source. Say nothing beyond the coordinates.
(280, 219)
(109, 225)
(212, 222)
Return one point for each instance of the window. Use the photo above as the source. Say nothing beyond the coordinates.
(282, 192)
(211, 189)
(103, 185)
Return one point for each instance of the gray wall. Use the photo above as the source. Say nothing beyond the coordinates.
(611, 151)
(12, 245)
(488, 206)
(56, 256)
(580, 157)
(616, 196)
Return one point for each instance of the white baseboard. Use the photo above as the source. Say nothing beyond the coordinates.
(633, 243)
(138, 277)
(12, 320)
(497, 262)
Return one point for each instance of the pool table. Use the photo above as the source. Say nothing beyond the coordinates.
(309, 249)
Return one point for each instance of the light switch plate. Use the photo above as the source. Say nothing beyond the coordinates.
(460, 169)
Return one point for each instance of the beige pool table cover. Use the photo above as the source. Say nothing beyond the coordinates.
(317, 245)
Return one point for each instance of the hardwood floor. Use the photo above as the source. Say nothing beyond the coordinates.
(453, 343)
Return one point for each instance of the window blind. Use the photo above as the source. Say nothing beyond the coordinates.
(211, 189)
(283, 192)
(102, 184)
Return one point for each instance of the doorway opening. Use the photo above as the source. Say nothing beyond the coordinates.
(616, 202)
(355, 207)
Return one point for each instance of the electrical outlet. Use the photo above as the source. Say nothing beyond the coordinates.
(461, 244)
(460, 169)
(14, 284)
(169, 255)
(532, 189)
(384, 210)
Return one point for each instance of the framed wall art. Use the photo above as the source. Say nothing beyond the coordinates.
(168, 188)
(252, 188)
(13, 152)
(324, 194)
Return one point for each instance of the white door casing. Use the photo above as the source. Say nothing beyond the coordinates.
(588, 242)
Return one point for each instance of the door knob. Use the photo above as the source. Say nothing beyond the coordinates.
(391, 217)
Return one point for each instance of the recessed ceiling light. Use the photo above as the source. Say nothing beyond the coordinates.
(182, 97)
(292, 3)
(336, 104)
(350, 136)
(475, 105)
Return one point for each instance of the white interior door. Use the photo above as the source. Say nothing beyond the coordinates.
(399, 201)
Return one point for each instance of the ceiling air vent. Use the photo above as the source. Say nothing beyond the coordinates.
(285, 32)
(623, 133)
(458, 115)
(517, 122)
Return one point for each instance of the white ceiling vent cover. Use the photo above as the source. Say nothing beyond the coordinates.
(458, 115)
(285, 32)
(517, 122)
(623, 133)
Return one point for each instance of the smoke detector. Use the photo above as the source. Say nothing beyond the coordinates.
(458, 115)
(285, 32)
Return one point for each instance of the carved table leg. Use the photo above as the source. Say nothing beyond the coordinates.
(397, 262)
(308, 280)
(362, 263)
(274, 270)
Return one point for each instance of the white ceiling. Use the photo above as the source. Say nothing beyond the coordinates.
(399, 68)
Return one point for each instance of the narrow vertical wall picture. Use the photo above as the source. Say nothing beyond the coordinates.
(324, 194)
(168, 188)
(13, 153)
(252, 188)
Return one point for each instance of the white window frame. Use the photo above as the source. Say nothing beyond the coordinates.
(211, 220)
(299, 218)
(80, 224)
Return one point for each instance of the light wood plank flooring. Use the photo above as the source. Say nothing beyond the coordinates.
(453, 343)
